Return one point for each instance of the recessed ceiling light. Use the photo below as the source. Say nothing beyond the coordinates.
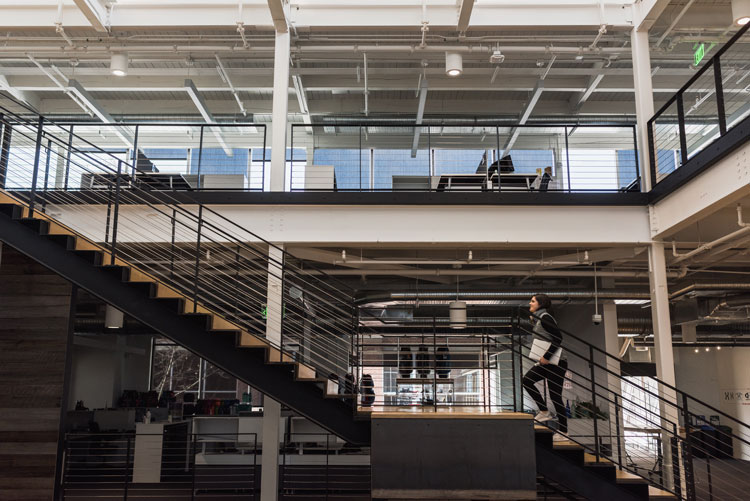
(741, 12)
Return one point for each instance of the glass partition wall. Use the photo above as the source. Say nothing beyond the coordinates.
(398, 157)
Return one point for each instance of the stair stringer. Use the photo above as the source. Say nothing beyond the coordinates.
(248, 365)
(576, 477)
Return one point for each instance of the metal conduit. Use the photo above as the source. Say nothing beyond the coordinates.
(602, 294)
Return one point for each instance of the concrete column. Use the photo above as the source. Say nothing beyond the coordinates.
(280, 108)
(269, 481)
(644, 100)
(663, 352)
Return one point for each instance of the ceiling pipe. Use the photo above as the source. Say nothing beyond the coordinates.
(710, 287)
(524, 294)
(530, 262)
(744, 228)
(491, 273)
(674, 23)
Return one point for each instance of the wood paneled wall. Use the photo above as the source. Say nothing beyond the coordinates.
(34, 323)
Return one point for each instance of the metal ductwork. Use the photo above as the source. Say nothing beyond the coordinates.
(519, 295)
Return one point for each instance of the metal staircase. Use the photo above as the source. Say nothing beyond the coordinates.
(217, 289)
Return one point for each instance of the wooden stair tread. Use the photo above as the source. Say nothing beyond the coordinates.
(591, 458)
(542, 429)
(567, 445)
(625, 477)
(305, 372)
(656, 493)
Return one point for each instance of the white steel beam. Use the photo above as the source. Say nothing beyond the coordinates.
(724, 183)
(593, 83)
(23, 96)
(535, 95)
(464, 14)
(301, 98)
(82, 94)
(646, 12)
(644, 100)
(325, 13)
(95, 12)
(280, 109)
(280, 22)
(674, 23)
(420, 115)
(207, 116)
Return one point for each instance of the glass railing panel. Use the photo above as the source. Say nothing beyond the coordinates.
(701, 113)
(666, 142)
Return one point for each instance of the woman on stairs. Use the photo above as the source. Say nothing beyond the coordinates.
(551, 367)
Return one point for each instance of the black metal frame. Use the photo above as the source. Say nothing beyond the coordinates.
(275, 380)
(491, 198)
(715, 64)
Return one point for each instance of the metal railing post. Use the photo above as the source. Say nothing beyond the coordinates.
(5, 150)
(681, 127)
(135, 153)
(637, 160)
(35, 172)
(117, 213)
(676, 477)
(46, 176)
(513, 364)
(127, 467)
(689, 473)
(200, 158)
(328, 487)
(719, 85)
(282, 322)
(171, 253)
(197, 259)
(192, 469)
(567, 159)
(67, 159)
(593, 402)
(617, 432)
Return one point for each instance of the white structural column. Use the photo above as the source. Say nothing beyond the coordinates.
(280, 109)
(644, 100)
(612, 347)
(269, 479)
(663, 352)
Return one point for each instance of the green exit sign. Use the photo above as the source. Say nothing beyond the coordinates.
(700, 52)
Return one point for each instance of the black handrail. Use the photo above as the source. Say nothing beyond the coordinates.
(336, 296)
(610, 372)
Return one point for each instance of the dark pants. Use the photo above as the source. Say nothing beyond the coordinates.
(554, 376)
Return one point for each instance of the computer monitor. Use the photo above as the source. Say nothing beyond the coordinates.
(506, 164)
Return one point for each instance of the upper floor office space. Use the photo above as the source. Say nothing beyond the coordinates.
(487, 101)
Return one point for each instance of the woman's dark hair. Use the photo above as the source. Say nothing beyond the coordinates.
(544, 301)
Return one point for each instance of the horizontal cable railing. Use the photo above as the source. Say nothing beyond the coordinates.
(181, 463)
(647, 426)
(392, 157)
(708, 106)
(198, 252)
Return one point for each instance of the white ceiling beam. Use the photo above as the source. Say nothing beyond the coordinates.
(81, 93)
(535, 95)
(594, 81)
(420, 115)
(195, 95)
(24, 96)
(280, 22)
(464, 14)
(647, 12)
(331, 14)
(95, 12)
(301, 98)
(674, 23)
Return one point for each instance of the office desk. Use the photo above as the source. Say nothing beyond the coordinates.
(461, 182)
(514, 181)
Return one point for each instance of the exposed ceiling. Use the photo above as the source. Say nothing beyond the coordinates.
(587, 74)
